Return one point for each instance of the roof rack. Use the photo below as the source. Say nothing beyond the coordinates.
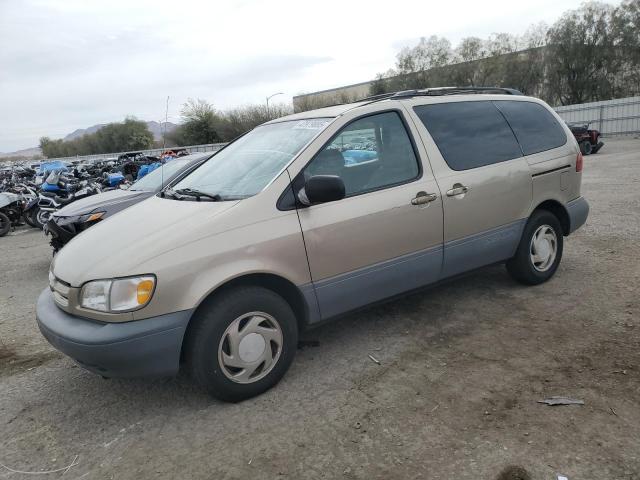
(443, 91)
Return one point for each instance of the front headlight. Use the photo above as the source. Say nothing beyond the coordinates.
(118, 295)
(90, 217)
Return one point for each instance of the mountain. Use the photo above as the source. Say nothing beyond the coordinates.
(27, 152)
(154, 127)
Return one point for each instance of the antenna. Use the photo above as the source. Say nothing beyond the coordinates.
(164, 134)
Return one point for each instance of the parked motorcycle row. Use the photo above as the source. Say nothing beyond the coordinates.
(32, 193)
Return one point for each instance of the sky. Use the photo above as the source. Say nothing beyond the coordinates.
(68, 64)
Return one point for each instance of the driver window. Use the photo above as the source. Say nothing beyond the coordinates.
(368, 154)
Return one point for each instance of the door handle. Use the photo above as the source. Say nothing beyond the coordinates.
(423, 198)
(458, 189)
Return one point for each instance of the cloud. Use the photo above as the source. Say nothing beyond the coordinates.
(67, 64)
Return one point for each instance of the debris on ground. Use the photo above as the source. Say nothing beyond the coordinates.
(42, 472)
(552, 401)
(374, 359)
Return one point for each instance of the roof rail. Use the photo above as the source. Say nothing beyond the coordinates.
(437, 91)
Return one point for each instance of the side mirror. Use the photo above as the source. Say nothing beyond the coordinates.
(322, 189)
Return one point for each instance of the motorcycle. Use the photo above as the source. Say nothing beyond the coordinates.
(49, 202)
(30, 202)
(11, 205)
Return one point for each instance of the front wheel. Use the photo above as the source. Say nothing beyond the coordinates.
(586, 147)
(42, 217)
(241, 343)
(540, 249)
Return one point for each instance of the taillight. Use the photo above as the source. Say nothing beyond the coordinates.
(579, 162)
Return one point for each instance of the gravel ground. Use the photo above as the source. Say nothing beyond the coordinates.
(462, 367)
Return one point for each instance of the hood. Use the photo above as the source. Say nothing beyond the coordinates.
(117, 246)
(111, 201)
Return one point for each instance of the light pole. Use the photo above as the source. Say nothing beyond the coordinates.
(269, 98)
(164, 130)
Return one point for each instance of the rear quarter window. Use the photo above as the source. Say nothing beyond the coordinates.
(469, 134)
(536, 129)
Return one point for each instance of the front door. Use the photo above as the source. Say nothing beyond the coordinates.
(385, 237)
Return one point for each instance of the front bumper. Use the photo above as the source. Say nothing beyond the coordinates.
(60, 236)
(141, 348)
(578, 211)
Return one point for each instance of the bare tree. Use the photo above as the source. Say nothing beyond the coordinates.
(430, 52)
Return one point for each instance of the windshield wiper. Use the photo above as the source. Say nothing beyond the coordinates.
(193, 192)
(170, 193)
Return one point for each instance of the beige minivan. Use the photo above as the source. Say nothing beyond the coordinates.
(308, 217)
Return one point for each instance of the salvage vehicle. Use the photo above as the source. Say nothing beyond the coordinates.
(278, 233)
(69, 221)
(588, 138)
(11, 208)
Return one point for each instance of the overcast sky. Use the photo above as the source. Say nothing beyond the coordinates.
(67, 64)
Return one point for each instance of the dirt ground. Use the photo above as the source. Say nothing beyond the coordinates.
(462, 367)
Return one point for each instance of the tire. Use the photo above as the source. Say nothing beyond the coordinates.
(523, 267)
(42, 217)
(217, 366)
(586, 147)
(5, 224)
(30, 218)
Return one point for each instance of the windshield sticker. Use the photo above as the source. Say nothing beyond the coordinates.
(314, 124)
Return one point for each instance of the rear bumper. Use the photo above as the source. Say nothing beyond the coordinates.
(141, 348)
(578, 211)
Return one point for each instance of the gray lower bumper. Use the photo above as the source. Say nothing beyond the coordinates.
(578, 210)
(141, 348)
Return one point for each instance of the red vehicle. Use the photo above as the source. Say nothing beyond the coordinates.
(587, 138)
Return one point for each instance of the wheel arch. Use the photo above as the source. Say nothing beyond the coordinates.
(560, 211)
(276, 283)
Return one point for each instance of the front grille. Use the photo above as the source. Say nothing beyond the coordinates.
(60, 290)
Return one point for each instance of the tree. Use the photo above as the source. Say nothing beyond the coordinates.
(242, 119)
(129, 135)
(582, 60)
(430, 52)
(201, 124)
(625, 24)
(591, 53)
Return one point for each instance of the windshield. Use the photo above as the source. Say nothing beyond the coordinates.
(246, 166)
(154, 180)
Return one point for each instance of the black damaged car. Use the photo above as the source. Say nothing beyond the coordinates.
(69, 221)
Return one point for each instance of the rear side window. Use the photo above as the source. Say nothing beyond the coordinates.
(535, 127)
(469, 134)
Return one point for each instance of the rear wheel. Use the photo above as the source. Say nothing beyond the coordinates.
(540, 249)
(241, 343)
(586, 147)
(5, 224)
